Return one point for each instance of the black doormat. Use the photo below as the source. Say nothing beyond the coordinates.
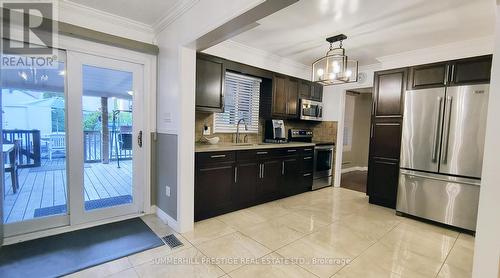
(89, 205)
(66, 253)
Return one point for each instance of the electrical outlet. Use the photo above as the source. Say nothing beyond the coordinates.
(206, 130)
(167, 191)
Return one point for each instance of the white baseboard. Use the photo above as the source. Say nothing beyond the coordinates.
(352, 169)
(167, 219)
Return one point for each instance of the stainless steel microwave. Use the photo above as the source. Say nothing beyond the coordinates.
(311, 110)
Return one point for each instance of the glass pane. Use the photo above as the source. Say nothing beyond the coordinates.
(34, 142)
(107, 128)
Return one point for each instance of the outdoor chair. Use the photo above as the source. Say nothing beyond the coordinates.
(57, 142)
(13, 165)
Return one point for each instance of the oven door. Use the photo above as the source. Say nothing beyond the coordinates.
(323, 161)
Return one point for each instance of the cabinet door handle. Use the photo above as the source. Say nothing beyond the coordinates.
(283, 168)
(308, 157)
(263, 166)
(308, 174)
(261, 153)
(260, 171)
(291, 151)
(235, 174)
(218, 156)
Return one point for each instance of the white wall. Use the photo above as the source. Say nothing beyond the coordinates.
(487, 244)
(241, 53)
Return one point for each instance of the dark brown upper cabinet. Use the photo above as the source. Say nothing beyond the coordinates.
(279, 96)
(389, 91)
(285, 97)
(305, 89)
(292, 101)
(317, 92)
(471, 71)
(310, 90)
(428, 76)
(210, 74)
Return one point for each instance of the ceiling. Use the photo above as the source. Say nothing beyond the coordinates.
(148, 12)
(374, 28)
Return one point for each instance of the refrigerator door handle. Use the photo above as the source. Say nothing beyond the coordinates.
(446, 133)
(437, 130)
(461, 181)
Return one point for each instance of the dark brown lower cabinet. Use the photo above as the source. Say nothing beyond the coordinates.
(228, 181)
(291, 184)
(269, 184)
(382, 181)
(246, 183)
(214, 190)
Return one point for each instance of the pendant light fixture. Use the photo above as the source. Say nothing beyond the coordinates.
(335, 68)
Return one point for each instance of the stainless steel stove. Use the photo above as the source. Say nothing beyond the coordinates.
(323, 157)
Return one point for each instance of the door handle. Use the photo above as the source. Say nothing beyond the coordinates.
(235, 174)
(282, 168)
(437, 130)
(260, 171)
(446, 132)
(263, 170)
(139, 139)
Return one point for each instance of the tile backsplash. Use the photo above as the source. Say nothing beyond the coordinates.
(323, 131)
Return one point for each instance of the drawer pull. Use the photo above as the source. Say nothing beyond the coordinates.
(308, 150)
(307, 175)
(218, 156)
(261, 152)
(307, 158)
(291, 151)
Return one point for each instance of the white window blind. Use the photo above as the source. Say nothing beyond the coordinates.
(241, 101)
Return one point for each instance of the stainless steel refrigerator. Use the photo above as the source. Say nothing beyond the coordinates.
(442, 153)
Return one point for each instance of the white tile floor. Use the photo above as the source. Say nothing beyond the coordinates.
(332, 232)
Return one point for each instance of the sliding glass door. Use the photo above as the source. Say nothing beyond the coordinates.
(71, 142)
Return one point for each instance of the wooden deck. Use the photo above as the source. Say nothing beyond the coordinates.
(45, 186)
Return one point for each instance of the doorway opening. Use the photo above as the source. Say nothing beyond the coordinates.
(358, 105)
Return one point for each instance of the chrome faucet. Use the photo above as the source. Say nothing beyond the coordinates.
(238, 129)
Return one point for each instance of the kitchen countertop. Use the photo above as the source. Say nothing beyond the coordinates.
(247, 146)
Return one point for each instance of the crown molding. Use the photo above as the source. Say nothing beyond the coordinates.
(456, 50)
(78, 14)
(172, 14)
(242, 53)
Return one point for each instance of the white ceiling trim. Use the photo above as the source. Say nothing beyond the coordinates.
(172, 14)
(242, 53)
(451, 51)
(81, 15)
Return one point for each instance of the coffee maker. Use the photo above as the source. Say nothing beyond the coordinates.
(275, 131)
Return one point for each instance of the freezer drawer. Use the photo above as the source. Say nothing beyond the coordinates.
(449, 200)
(422, 124)
(464, 130)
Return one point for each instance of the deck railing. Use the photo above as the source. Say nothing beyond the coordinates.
(92, 142)
(31, 153)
